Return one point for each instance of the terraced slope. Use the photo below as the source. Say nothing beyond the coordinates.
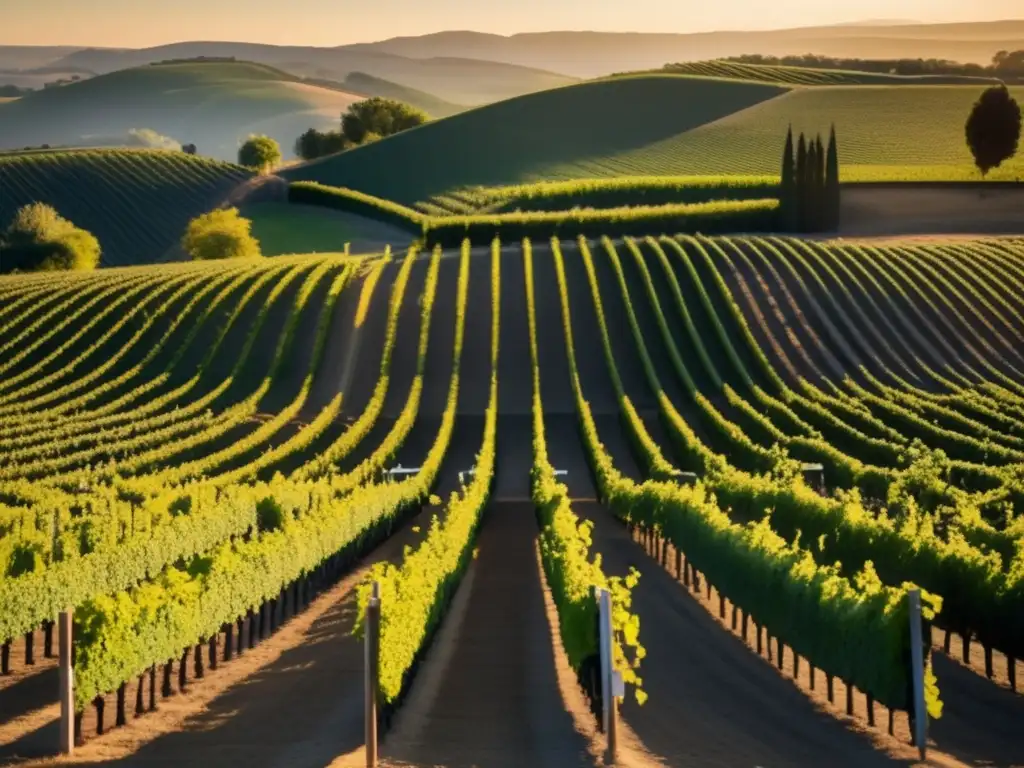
(213, 445)
(214, 105)
(136, 202)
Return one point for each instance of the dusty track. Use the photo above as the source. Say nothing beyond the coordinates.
(497, 701)
(869, 210)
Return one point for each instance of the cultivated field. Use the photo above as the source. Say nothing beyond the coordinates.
(668, 125)
(194, 456)
(137, 203)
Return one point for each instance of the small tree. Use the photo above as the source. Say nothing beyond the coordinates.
(993, 128)
(188, 149)
(39, 239)
(260, 152)
(832, 194)
(220, 234)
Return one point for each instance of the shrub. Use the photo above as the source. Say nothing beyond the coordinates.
(260, 152)
(993, 128)
(39, 239)
(188, 149)
(313, 144)
(220, 234)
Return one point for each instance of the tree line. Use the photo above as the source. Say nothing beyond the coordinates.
(809, 194)
(1004, 64)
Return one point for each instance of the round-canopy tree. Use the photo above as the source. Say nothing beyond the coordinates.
(993, 128)
(220, 234)
(39, 239)
(260, 152)
(380, 116)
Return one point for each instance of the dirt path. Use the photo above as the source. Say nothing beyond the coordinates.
(874, 211)
(497, 702)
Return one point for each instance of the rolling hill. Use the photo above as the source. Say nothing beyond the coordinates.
(580, 130)
(136, 202)
(454, 79)
(360, 82)
(212, 104)
(592, 54)
(665, 125)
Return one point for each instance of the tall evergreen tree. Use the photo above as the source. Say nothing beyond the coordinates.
(832, 180)
(813, 203)
(788, 187)
(820, 200)
(801, 184)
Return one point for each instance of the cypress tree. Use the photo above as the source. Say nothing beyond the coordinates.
(820, 206)
(788, 187)
(832, 180)
(801, 184)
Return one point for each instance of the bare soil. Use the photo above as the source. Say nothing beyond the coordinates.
(497, 701)
(873, 211)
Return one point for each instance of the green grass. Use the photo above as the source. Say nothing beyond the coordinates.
(214, 105)
(662, 125)
(284, 228)
(885, 133)
(809, 76)
(136, 202)
(580, 131)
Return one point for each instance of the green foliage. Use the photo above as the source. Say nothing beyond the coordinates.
(993, 128)
(832, 192)
(378, 117)
(40, 240)
(313, 144)
(260, 153)
(166, 190)
(220, 234)
(810, 201)
(565, 542)
(715, 216)
(415, 593)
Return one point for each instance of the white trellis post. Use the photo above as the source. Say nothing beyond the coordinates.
(372, 659)
(611, 682)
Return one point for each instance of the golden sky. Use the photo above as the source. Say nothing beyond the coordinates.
(141, 23)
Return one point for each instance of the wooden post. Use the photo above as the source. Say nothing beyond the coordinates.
(609, 683)
(917, 673)
(371, 665)
(67, 684)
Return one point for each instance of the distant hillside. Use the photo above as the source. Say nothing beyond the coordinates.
(590, 54)
(214, 105)
(578, 131)
(360, 82)
(809, 76)
(136, 202)
(459, 81)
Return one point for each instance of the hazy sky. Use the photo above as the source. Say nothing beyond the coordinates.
(140, 23)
